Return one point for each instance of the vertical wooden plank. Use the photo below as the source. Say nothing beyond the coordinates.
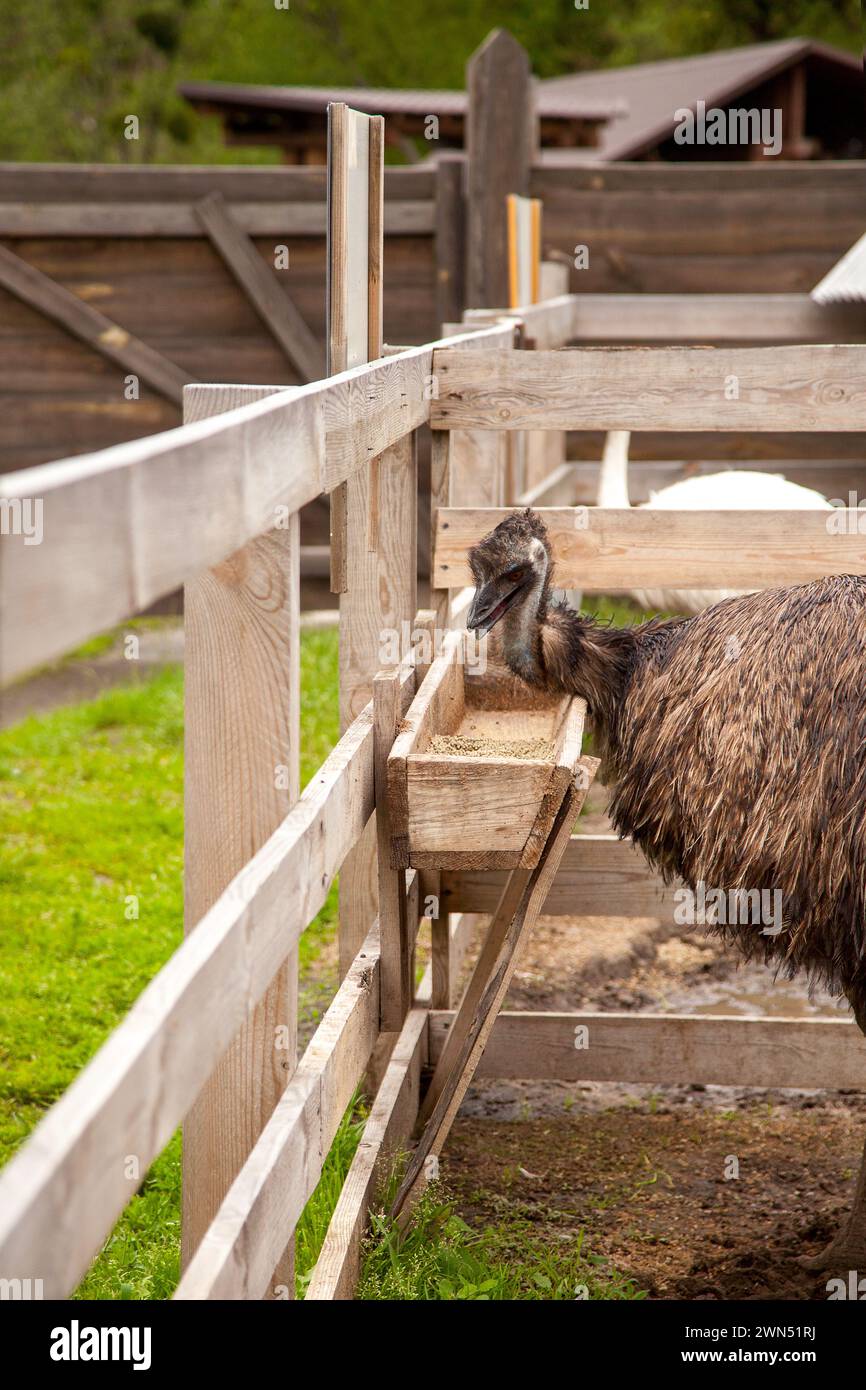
(545, 449)
(375, 289)
(394, 968)
(242, 736)
(354, 334)
(450, 239)
(500, 136)
(381, 597)
(440, 496)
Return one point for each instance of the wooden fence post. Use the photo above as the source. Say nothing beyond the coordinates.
(242, 737)
(500, 140)
(374, 529)
(450, 239)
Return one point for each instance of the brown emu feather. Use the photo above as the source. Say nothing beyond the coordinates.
(736, 740)
(737, 743)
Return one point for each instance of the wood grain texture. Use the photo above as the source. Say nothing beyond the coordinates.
(133, 1094)
(450, 238)
(274, 306)
(261, 219)
(389, 1124)
(395, 976)
(381, 596)
(131, 524)
(499, 142)
(672, 1049)
(786, 388)
(481, 1013)
(600, 876)
(243, 1243)
(600, 549)
(78, 317)
(714, 318)
(241, 778)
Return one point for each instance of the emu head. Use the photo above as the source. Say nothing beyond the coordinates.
(511, 568)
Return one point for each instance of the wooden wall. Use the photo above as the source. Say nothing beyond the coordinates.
(126, 241)
(102, 233)
(751, 228)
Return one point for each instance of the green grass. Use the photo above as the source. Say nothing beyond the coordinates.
(91, 827)
(440, 1258)
(91, 907)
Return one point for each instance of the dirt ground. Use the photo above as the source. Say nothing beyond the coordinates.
(694, 1192)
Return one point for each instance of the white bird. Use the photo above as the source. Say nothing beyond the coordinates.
(735, 490)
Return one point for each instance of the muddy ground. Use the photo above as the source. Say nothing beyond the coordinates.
(640, 1173)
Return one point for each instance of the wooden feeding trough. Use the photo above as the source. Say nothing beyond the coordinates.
(479, 767)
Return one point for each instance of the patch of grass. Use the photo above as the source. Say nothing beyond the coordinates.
(442, 1259)
(91, 906)
(313, 1225)
(91, 822)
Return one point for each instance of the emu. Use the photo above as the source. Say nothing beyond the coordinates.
(733, 490)
(735, 741)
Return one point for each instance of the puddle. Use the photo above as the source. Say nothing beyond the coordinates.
(751, 990)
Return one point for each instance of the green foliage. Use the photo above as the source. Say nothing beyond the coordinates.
(70, 73)
(91, 811)
(440, 1258)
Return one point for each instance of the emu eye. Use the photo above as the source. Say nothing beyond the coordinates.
(513, 572)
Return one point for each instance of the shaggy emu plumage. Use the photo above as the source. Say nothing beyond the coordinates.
(736, 740)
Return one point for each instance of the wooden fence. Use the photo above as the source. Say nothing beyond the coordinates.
(213, 505)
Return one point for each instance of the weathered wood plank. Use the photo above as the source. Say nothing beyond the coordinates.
(671, 1049)
(132, 523)
(270, 301)
(785, 388)
(582, 175)
(450, 238)
(390, 1122)
(714, 318)
(239, 1252)
(71, 183)
(500, 135)
(93, 328)
(159, 219)
(133, 1094)
(478, 1011)
(600, 876)
(242, 729)
(601, 548)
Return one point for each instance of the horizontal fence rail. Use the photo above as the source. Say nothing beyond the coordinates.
(130, 524)
(599, 548)
(686, 388)
(141, 1083)
(125, 526)
(679, 1049)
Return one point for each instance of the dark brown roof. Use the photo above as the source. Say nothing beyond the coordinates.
(380, 101)
(653, 92)
(634, 106)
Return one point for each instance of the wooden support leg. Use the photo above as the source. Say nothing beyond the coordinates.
(523, 898)
(396, 955)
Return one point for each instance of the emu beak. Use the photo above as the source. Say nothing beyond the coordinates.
(488, 607)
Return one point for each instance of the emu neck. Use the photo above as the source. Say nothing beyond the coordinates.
(552, 646)
(613, 480)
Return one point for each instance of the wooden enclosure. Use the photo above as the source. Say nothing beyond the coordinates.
(481, 807)
(213, 505)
